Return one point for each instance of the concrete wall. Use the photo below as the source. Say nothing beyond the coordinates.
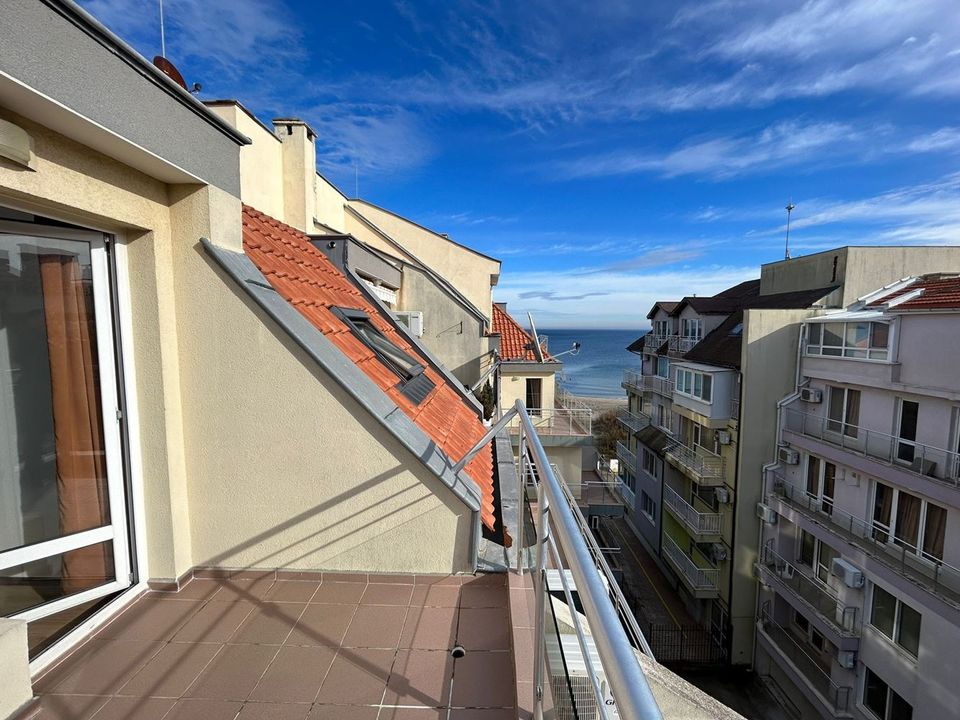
(329, 205)
(513, 386)
(465, 269)
(924, 371)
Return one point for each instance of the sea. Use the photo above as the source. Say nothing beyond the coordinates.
(597, 370)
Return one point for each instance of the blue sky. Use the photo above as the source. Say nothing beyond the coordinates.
(610, 153)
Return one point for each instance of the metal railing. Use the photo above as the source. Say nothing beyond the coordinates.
(633, 379)
(652, 341)
(814, 595)
(911, 456)
(611, 631)
(932, 573)
(558, 421)
(634, 422)
(682, 343)
(706, 468)
(735, 408)
(835, 696)
(697, 577)
(565, 400)
(698, 522)
(627, 457)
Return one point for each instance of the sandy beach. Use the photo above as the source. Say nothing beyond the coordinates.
(602, 404)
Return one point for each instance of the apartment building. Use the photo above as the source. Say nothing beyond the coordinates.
(860, 592)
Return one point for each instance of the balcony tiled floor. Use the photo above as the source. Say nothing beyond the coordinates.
(298, 647)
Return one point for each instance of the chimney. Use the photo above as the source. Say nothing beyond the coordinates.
(299, 172)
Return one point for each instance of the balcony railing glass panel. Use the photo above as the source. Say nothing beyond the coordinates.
(699, 578)
(698, 522)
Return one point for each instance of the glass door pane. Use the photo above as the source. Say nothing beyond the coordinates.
(907, 430)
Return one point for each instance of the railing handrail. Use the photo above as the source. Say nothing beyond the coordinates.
(635, 700)
(705, 465)
(694, 517)
(710, 576)
(948, 472)
(576, 421)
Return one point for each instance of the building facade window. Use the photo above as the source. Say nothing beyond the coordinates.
(908, 412)
(808, 546)
(895, 619)
(647, 506)
(651, 464)
(694, 384)
(821, 482)
(663, 367)
(909, 521)
(825, 556)
(691, 328)
(881, 700)
(630, 480)
(660, 328)
(862, 340)
(843, 411)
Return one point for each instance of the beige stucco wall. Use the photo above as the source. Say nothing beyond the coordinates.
(329, 205)
(261, 162)
(513, 386)
(250, 456)
(467, 271)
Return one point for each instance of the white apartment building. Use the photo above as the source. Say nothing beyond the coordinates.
(859, 602)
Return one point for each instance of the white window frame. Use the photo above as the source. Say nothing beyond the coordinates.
(842, 422)
(890, 532)
(898, 418)
(863, 695)
(873, 353)
(897, 617)
(691, 328)
(694, 375)
(644, 499)
(825, 501)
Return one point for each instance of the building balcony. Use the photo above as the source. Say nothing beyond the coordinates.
(571, 422)
(932, 574)
(836, 621)
(640, 382)
(632, 380)
(878, 449)
(681, 344)
(698, 523)
(701, 466)
(702, 582)
(628, 458)
(735, 408)
(633, 422)
(803, 669)
(653, 342)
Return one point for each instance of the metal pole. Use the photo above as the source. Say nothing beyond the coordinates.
(521, 500)
(543, 537)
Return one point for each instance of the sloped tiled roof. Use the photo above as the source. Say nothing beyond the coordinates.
(307, 280)
(937, 292)
(515, 342)
(666, 305)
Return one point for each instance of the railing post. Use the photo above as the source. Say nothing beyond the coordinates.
(543, 537)
(521, 498)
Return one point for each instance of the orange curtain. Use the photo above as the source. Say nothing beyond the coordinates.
(77, 423)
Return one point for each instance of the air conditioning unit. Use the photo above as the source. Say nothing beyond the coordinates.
(847, 659)
(412, 319)
(718, 552)
(788, 456)
(811, 395)
(723, 437)
(766, 513)
(785, 571)
(851, 575)
(722, 495)
(569, 675)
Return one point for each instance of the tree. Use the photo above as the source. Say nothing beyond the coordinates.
(607, 431)
(486, 398)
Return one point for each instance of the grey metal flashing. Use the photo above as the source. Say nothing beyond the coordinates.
(100, 32)
(353, 380)
(246, 111)
(439, 236)
(436, 277)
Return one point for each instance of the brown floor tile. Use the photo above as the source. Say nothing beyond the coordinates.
(483, 714)
(332, 577)
(106, 668)
(523, 653)
(484, 596)
(233, 673)
(343, 712)
(339, 592)
(437, 580)
(171, 671)
(420, 677)
(436, 595)
(308, 575)
(523, 608)
(375, 626)
(292, 591)
(151, 618)
(494, 579)
(188, 709)
(193, 590)
(357, 677)
(268, 624)
(214, 622)
(66, 707)
(249, 589)
(483, 679)
(391, 579)
(228, 574)
(274, 711)
(387, 595)
(295, 675)
(322, 625)
(405, 713)
(429, 628)
(484, 629)
(123, 708)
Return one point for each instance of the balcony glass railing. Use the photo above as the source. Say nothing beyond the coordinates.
(698, 522)
(699, 578)
(925, 460)
(936, 576)
(628, 458)
(633, 379)
(789, 578)
(634, 422)
(706, 468)
(589, 657)
(735, 408)
(682, 343)
(652, 341)
(837, 697)
(558, 421)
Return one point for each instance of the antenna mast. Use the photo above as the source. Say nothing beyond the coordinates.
(786, 249)
(163, 43)
(356, 179)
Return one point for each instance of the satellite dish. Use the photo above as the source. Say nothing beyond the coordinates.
(170, 70)
(537, 350)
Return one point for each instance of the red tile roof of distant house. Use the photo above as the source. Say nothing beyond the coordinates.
(515, 342)
(928, 292)
(307, 279)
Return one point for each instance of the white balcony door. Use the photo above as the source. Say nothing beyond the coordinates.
(907, 414)
(63, 510)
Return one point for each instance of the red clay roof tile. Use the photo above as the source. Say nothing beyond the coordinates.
(937, 292)
(306, 279)
(515, 342)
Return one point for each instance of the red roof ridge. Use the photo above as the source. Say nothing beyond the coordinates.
(515, 342)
